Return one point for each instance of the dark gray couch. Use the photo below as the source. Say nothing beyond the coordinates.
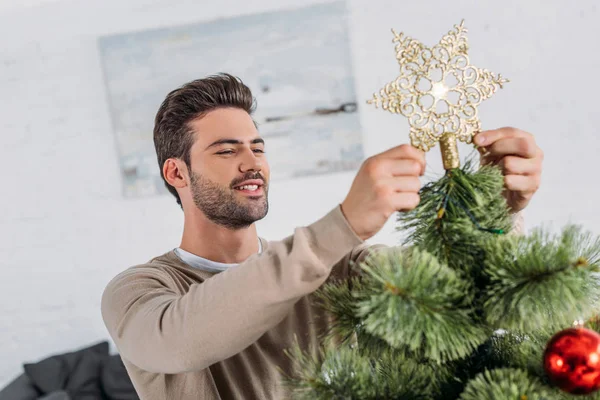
(86, 374)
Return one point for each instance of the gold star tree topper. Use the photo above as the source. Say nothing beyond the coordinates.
(438, 90)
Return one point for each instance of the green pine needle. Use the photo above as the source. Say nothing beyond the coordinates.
(541, 282)
(506, 384)
(415, 302)
(456, 212)
(461, 310)
(342, 373)
(341, 299)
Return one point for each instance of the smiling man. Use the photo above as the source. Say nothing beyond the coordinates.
(211, 319)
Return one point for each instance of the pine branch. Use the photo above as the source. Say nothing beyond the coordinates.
(541, 282)
(341, 299)
(455, 212)
(525, 353)
(413, 301)
(340, 374)
(506, 384)
(345, 374)
(418, 321)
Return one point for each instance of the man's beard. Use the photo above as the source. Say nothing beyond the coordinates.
(221, 206)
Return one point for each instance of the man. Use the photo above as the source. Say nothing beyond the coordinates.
(211, 319)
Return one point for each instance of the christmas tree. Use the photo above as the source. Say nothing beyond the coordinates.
(463, 308)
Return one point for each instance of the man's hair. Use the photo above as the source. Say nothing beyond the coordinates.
(173, 136)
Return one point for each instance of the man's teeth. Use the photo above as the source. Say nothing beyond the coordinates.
(248, 187)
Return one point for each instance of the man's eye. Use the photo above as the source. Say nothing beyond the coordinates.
(259, 150)
(226, 152)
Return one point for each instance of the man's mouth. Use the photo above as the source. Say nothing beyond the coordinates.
(252, 188)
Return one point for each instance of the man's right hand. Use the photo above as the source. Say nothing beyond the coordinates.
(385, 183)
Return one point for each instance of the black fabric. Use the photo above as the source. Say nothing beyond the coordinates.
(86, 374)
(60, 395)
(19, 389)
(115, 381)
(77, 373)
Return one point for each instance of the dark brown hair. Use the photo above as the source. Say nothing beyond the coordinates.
(173, 137)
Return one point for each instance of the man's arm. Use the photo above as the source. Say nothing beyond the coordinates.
(162, 331)
(159, 330)
(349, 265)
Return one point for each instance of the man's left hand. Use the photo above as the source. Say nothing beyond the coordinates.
(520, 158)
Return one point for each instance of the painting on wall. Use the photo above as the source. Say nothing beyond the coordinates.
(297, 63)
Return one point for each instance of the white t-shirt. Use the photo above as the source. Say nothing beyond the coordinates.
(202, 263)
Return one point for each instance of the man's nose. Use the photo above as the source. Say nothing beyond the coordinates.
(250, 162)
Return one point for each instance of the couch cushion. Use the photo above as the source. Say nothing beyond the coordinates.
(115, 381)
(60, 395)
(77, 372)
(20, 389)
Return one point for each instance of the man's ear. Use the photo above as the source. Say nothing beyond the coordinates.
(176, 173)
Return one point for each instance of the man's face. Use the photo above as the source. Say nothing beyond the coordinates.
(229, 170)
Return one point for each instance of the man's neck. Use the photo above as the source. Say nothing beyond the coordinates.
(206, 239)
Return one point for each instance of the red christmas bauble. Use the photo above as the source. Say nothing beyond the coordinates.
(572, 360)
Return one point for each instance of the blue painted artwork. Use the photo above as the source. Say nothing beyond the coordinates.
(296, 62)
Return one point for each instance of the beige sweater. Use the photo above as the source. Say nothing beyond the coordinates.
(184, 333)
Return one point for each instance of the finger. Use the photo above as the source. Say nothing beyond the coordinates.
(403, 184)
(487, 138)
(512, 165)
(405, 201)
(404, 151)
(402, 167)
(518, 146)
(522, 183)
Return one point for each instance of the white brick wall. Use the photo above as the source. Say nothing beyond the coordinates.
(64, 228)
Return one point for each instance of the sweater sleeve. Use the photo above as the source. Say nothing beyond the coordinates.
(161, 331)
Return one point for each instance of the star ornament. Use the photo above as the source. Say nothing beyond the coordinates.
(438, 90)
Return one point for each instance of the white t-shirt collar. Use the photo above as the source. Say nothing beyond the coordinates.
(204, 264)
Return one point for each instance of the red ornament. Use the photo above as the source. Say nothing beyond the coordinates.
(572, 360)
